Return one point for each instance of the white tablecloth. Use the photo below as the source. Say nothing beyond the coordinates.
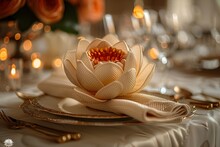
(201, 130)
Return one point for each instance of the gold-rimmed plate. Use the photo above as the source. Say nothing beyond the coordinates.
(60, 119)
(69, 111)
(70, 108)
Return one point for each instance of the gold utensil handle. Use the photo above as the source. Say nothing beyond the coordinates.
(60, 136)
(202, 105)
(215, 104)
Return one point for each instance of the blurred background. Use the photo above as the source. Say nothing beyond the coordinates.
(180, 34)
(120, 8)
(174, 33)
(201, 12)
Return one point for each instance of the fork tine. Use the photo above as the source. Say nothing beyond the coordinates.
(5, 117)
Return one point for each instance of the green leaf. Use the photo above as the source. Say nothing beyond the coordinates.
(25, 18)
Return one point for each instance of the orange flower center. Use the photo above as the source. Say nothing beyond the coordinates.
(106, 54)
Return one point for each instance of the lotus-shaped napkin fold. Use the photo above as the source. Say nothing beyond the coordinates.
(107, 75)
(107, 68)
(142, 107)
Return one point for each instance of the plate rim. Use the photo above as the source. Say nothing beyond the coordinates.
(34, 102)
(37, 114)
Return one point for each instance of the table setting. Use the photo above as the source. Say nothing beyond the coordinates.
(156, 84)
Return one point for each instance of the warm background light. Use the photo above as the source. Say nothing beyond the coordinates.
(34, 56)
(36, 63)
(13, 70)
(138, 12)
(17, 36)
(37, 26)
(6, 39)
(3, 54)
(47, 28)
(57, 63)
(27, 45)
(153, 53)
(11, 23)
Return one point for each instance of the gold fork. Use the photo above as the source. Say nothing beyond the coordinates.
(179, 98)
(56, 135)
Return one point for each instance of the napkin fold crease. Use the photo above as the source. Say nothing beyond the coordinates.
(143, 107)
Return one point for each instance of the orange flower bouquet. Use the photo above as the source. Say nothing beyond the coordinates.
(60, 14)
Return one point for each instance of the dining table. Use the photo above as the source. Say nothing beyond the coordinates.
(201, 129)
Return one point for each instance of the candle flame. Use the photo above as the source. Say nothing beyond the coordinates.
(36, 63)
(138, 11)
(13, 69)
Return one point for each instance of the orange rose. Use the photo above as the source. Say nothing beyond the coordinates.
(48, 11)
(90, 10)
(9, 7)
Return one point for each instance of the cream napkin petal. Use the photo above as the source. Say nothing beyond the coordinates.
(121, 45)
(82, 45)
(71, 56)
(70, 72)
(103, 44)
(108, 72)
(94, 43)
(85, 59)
(85, 97)
(130, 62)
(128, 80)
(145, 108)
(142, 79)
(110, 91)
(138, 53)
(86, 78)
(112, 39)
(143, 65)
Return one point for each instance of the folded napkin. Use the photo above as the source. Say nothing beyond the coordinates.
(145, 108)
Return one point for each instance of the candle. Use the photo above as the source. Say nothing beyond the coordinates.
(14, 74)
(138, 11)
(36, 63)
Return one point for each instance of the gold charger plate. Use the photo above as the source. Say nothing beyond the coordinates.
(69, 107)
(36, 110)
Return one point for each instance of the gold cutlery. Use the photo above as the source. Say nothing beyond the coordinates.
(54, 134)
(182, 98)
(184, 93)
